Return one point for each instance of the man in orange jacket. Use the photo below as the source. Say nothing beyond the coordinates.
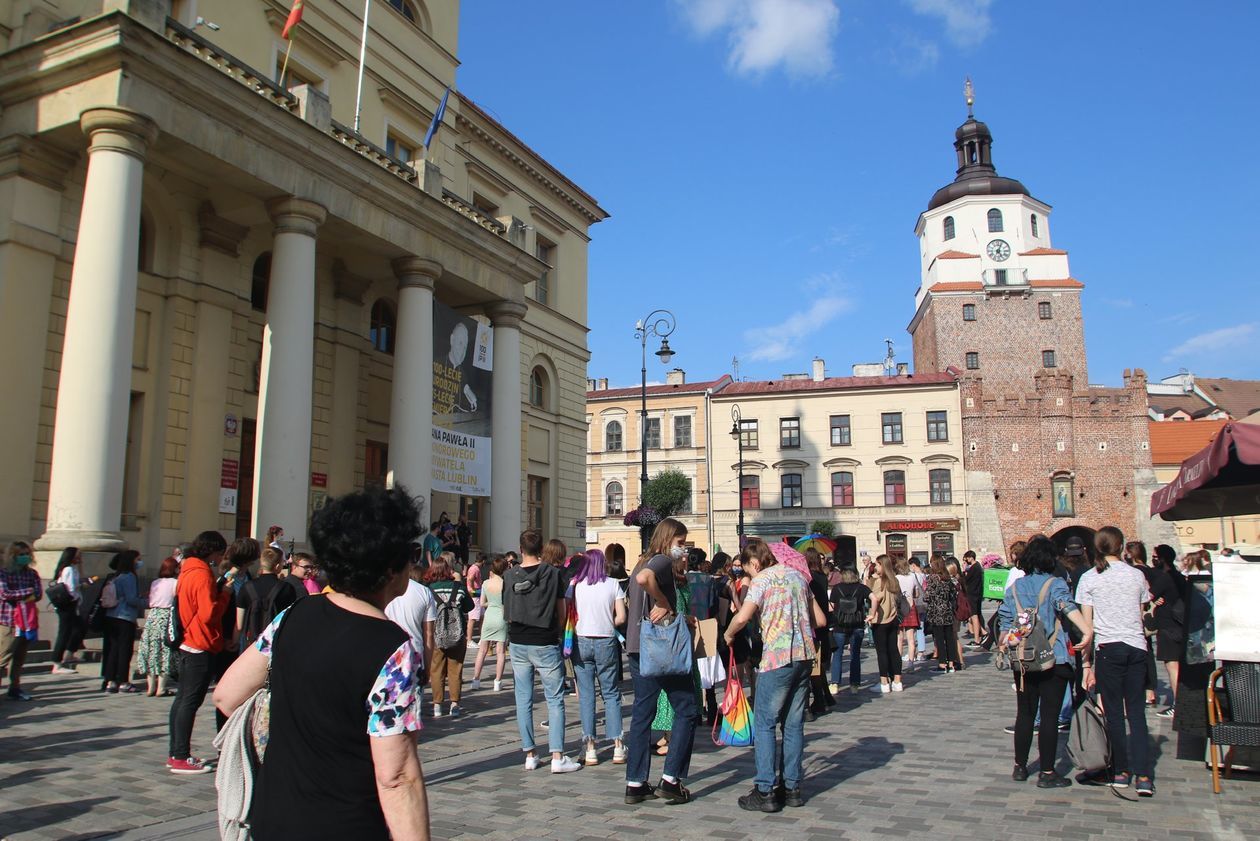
(201, 602)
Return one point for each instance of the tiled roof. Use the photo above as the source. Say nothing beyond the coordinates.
(1192, 404)
(659, 390)
(1062, 283)
(1238, 397)
(956, 255)
(1172, 442)
(1041, 252)
(832, 384)
(957, 286)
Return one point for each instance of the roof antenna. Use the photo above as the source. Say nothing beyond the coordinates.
(969, 92)
(890, 361)
(735, 368)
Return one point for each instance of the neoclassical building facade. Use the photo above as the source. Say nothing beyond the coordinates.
(217, 296)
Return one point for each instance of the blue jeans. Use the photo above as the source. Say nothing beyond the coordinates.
(550, 665)
(851, 639)
(598, 657)
(920, 636)
(682, 697)
(780, 699)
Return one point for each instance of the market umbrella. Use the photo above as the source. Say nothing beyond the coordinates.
(817, 541)
(790, 558)
(1221, 480)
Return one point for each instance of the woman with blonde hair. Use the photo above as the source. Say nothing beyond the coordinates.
(887, 601)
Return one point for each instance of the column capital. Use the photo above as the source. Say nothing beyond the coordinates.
(118, 130)
(292, 215)
(507, 313)
(416, 271)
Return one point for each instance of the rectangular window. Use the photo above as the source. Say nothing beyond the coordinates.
(841, 433)
(687, 503)
(999, 277)
(652, 434)
(750, 492)
(682, 431)
(938, 426)
(973, 361)
(748, 434)
(375, 464)
(793, 496)
(940, 483)
(545, 251)
(969, 312)
(399, 149)
(842, 490)
(1043, 310)
(1047, 359)
(892, 427)
(536, 503)
(894, 487)
(789, 433)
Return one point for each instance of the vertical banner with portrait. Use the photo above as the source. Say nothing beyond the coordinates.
(463, 360)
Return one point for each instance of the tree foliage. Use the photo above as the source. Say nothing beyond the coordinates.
(668, 492)
(824, 527)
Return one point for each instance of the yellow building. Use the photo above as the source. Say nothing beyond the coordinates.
(879, 457)
(677, 439)
(1174, 441)
(217, 297)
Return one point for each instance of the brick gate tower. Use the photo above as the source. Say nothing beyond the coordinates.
(1044, 451)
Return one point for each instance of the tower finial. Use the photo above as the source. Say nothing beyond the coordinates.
(969, 92)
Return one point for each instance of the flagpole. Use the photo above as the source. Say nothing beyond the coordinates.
(358, 95)
(284, 68)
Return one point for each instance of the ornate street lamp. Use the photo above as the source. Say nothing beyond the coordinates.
(738, 435)
(660, 323)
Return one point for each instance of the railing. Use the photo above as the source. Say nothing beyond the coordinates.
(230, 65)
(368, 149)
(454, 201)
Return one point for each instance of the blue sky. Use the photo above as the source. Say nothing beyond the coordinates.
(764, 162)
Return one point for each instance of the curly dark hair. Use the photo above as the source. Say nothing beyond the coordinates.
(364, 538)
(206, 544)
(1040, 555)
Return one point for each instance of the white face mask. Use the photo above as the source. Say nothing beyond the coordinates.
(677, 552)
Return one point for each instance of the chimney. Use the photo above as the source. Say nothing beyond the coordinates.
(903, 369)
(601, 384)
(675, 377)
(820, 370)
(590, 384)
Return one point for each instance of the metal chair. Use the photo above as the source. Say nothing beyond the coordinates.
(1237, 721)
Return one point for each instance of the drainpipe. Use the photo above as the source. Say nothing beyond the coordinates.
(708, 465)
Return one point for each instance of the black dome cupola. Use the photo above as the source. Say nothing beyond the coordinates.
(976, 175)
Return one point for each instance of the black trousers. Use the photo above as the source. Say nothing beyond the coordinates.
(69, 632)
(946, 638)
(1121, 674)
(120, 638)
(194, 681)
(886, 653)
(1044, 689)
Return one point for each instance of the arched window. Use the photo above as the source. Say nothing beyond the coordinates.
(793, 492)
(949, 227)
(940, 483)
(612, 437)
(406, 9)
(538, 388)
(894, 487)
(383, 326)
(613, 497)
(750, 491)
(260, 282)
(1034, 225)
(995, 220)
(842, 490)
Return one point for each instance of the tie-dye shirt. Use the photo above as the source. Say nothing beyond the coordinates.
(783, 600)
(393, 705)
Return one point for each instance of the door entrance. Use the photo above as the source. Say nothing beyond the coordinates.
(245, 480)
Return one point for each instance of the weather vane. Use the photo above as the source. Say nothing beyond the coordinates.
(970, 93)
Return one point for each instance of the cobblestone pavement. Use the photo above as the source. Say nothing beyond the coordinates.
(931, 762)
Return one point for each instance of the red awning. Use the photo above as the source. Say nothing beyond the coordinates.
(1221, 480)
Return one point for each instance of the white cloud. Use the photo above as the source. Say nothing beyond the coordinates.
(1121, 303)
(914, 55)
(776, 342)
(967, 22)
(1224, 338)
(765, 34)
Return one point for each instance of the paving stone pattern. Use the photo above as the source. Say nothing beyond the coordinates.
(931, 762)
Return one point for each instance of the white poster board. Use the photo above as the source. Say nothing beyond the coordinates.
(1236, 589)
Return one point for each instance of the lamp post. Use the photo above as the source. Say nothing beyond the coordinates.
(738, 435)
(659, 323)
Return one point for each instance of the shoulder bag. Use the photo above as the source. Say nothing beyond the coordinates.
(664, 649)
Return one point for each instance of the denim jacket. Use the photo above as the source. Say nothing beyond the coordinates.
(130, 602)
(1054, 609)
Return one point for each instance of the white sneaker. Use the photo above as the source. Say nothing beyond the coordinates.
(881, 688)
(531, 761)
(498, 685)
(564, 765)
(476, 684)
(833, 688)
(592, 758)
(456, 711)
(619, 755)
(437, 710)
(897, 687)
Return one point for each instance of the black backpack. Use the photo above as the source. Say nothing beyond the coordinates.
(264, 609)
(849, 611)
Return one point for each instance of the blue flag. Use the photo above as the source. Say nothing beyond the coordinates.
(437, 118)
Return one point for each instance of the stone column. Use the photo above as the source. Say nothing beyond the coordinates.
(411, 406)
(90, 437)
(506, 492)
(282, 461)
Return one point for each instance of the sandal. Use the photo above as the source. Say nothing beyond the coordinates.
(130, 689)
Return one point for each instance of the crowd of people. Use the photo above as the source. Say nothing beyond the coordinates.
(348, 635)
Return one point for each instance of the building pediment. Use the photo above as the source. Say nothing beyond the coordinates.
(886, 460)
(842, 462)
(790, 463)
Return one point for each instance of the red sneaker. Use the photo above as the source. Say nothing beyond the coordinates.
(191, 765)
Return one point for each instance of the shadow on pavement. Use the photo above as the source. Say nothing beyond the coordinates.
(47, 814)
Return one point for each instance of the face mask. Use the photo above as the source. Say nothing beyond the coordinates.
(736, 572)
(22, 560)
(139, 565)
(677, 552)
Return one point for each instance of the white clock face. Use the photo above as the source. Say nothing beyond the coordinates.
(999, 250)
